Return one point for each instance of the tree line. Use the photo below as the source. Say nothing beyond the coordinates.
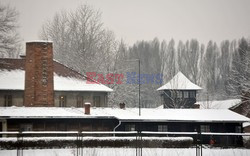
(82, 42)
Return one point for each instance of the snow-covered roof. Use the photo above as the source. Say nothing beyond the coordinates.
(246, 124)
(179, 82)
(14, 80)
(128, 114)
(39, 41)
(218, 104)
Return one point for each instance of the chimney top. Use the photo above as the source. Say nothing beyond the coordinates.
(87, 108)
(39, 41)
(87, 103)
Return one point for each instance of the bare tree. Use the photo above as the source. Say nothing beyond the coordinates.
(209, 67)
(189, 56)
(80, 39)
(123, 93)
(239, 79)
(9, 38)
(169, 63)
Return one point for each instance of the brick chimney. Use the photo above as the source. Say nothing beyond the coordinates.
(87, 108)
(39, 79)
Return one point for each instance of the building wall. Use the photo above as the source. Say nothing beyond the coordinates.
(99, 124)
(171, 100)
(62, 124)
(247, 129)
(190, 127)
(71, 98)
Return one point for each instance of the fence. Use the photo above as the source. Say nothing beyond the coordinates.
(136, 136)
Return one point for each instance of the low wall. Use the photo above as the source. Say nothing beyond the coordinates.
(59, 142)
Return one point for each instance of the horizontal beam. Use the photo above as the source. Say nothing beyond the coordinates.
(123, 132)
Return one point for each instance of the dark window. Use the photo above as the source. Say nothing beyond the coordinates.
(130, 127)
(62, 101)
(167, 93)
(162, 128)
(97, 101)
(179, 94)
(192, 94)
(238, 129)
(26, 127)
(205, 128)
(185, 93)
(173, 94)
(7, 100)
(61, 127)
(79, 101)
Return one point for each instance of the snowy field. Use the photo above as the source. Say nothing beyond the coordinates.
(128, 152)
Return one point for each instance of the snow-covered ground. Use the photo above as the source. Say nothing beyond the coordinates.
(129, 152)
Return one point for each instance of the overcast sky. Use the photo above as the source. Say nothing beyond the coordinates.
(135, 20)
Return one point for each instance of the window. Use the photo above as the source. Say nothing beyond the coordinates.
(7, 100)
(205, 128)
(79, 102)
(179, 94)
(62, 101)
(97, 101)
(168, 93)
(185, 93)
(172, 94)
(26, 127)
(162, 128)
(238, 129)
(130, 127)
(192, 94)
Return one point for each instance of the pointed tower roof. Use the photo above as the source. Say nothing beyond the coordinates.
(179, 82)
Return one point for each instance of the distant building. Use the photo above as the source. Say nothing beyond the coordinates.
(36, 80)
(179, 92)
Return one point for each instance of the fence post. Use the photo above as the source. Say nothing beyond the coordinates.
(136, 143)
(141, 143)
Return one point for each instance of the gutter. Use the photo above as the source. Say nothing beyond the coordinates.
(117, 126)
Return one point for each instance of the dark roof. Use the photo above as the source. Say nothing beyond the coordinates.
(59, 68)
